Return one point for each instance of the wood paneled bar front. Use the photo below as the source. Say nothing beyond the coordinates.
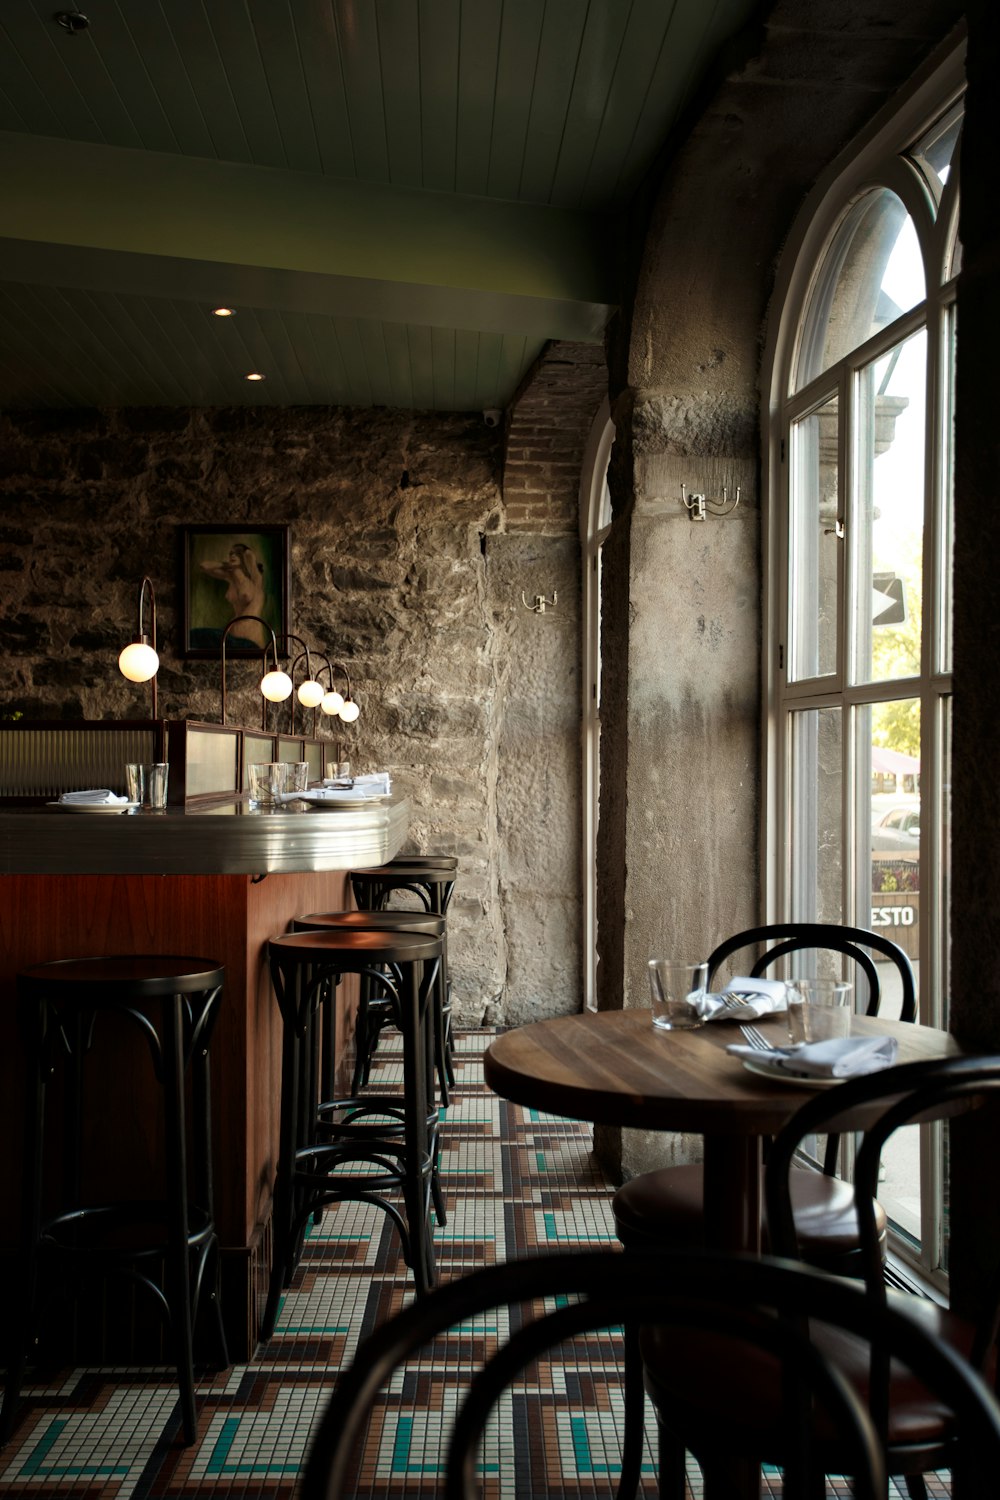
(210, 881)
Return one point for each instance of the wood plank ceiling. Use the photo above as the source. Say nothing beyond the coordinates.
(403, 200)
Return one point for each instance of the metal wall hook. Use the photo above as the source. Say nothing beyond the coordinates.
(539, 604)
(699, 507)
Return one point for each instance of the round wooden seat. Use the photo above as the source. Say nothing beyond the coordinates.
(825, 1214)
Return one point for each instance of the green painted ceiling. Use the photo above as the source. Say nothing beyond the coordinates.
(402, 199)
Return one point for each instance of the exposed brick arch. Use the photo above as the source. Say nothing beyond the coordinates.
(548, 425)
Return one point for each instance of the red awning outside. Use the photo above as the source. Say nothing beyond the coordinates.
(893, 762)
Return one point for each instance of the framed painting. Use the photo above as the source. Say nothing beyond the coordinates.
(228, 571)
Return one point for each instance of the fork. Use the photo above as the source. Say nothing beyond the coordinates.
(756, 1038)
(750, 1033)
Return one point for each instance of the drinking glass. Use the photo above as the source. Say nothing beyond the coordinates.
(156, 785)
(268, 780)
(298, 776)
(677, 991)
(147, 784)
(135, 782)
(818, 1009)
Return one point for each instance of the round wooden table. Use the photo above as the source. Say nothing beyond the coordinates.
(616, 1068)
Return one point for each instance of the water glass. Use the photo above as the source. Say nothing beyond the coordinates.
(818, 1009)
(298, 776)
(677, 991)
(147, 784)
(268, 781)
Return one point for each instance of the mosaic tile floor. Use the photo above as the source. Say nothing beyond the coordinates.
(516, 1181)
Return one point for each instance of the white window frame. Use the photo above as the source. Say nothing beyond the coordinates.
(873, 161)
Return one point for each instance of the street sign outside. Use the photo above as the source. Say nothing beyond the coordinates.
(888, 599)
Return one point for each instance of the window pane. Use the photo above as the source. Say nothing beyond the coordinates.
(888, 517)
(946, 553)
(871, 274)
(816, 800)
(939, 1013)
(934, 151)
(889, 744)
(814, 548)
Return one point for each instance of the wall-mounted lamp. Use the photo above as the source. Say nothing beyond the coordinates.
(701, 506)
(335, 703)
(139, 661)
(275, 685)
(539, 604)
(310, 692)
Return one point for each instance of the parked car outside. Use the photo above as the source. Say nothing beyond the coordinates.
(898, 828)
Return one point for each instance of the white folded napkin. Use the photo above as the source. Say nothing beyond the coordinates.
(760, 997)
(97, 796)
(379, 782)
(840, 1057)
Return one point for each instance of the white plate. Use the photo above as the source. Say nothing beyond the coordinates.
(783, 1075)
(94, 807)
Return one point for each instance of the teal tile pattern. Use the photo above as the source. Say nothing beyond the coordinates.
(517, 1181)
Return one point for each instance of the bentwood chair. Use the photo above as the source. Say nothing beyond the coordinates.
(917, 1432)
(664, 1207)
(760, 1306)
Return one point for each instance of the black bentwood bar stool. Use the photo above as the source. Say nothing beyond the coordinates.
(378, 1006)
(431, 879)
(164, 1243)
(365, 1147)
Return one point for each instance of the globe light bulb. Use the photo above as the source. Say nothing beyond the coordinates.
(276, 686)
(138, 662)
(350, 711)
(332, 702)
(311, 694)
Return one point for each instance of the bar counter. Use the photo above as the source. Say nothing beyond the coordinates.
(215, 881)
(220, 838)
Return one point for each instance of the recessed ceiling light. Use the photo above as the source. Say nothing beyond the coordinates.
(254, 375)
(73, 21)
(224, 312)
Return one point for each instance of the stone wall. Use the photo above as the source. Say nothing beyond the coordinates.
(404, 564)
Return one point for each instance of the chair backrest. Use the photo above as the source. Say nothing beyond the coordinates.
(852, 942)
(884, 1102)
(732, 1295)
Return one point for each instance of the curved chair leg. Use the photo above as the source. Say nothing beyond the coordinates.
(449, 1055)
(633, 1429)
(437, 1193)
(916, 1487)
(672, 1477)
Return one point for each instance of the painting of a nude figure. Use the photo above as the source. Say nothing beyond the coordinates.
(226, 572)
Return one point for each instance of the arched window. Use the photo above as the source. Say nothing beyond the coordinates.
(858, 675)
